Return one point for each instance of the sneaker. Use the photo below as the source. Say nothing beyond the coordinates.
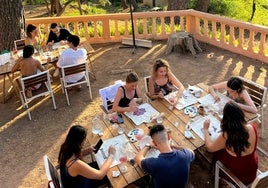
(28, 93)
(56, 73)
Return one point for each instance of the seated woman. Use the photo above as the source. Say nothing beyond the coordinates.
(75, 173)
(28, 66)
(236, 92)
(32, 35)
(236, 145)
(163, 81)
(128, 96)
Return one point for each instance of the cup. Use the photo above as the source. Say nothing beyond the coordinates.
(159, 120)
(197, 93)
(121, 129)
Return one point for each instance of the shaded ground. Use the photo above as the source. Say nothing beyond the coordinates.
(24, 142)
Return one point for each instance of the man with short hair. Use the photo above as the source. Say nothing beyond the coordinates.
(71, 56)
(171, 168)
(57, 34)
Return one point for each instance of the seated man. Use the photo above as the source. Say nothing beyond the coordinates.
(71, 56)
(57, 34)
(171, 167)
(28, 66)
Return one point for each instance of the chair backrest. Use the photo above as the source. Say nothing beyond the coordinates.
(146, 83)
(261, 181)
(19, 44)
(53, 177)
(256, 91)
(88, 47)
(108, 93)
(35, 79)
(73, 69)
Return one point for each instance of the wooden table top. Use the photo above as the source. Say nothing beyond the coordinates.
(174, 120)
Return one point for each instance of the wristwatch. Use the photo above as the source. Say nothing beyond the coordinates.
(148, 145)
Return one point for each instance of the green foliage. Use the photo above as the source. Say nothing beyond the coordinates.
(241, 10)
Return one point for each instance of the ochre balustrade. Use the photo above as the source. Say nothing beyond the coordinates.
(239, 37)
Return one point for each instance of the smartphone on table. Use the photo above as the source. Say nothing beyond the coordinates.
(98, 145)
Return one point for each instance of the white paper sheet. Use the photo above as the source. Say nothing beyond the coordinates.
(144, 114)
(118, 142)
(186, 100)
(214, 128)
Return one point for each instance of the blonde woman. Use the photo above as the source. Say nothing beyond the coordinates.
(163, 81)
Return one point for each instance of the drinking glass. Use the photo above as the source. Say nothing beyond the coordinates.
(123, 160)
(96, 126)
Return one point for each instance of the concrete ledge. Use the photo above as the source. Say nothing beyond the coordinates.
(138, 42)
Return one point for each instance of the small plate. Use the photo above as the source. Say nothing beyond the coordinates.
(133, 133)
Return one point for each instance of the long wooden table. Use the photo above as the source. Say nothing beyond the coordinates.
(174, 120)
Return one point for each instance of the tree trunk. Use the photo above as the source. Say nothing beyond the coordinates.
(12, 23)
(253, 10)
(79, 6)
(176, 5)
(124, 4)
(202, 5)
(56, 7)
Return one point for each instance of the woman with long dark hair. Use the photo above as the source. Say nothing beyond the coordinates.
(236, 92)
(237, 143)
(75, 173)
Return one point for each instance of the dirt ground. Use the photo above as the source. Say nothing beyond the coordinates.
(24, 142)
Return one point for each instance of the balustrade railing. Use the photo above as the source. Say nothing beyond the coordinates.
(240, 37)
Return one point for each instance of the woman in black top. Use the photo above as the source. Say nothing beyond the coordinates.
(75, 173)
(128, 96)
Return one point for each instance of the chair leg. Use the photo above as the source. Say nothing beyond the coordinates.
(67, 97)
(217, 176)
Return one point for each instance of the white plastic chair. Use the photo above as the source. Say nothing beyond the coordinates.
(19, 44)
(53, 176)
(74, 69)
(33, 80)
(108, 93)
(261, 181)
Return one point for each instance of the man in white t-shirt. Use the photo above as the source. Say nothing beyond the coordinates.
(71, 56)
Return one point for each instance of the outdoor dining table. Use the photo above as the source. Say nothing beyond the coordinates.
(44, 57)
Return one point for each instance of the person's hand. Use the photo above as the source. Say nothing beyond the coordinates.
(50, 43)
(206, 124)
(90, 149)
(133, 106)
(161, 95)
(111, 150)
(62, 42)
(216, 98)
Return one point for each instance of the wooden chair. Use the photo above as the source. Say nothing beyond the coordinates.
(90, 50)
(73, 69)
(108, 93)
(33, 80)
(258, 94)
(19, 44)
(53, 176)
(146, 86)
(261, 181)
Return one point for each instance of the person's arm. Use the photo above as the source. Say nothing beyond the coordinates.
(215, 145)
(152, 93)
(249, 105)
(83, 169)
(175, 82)
(50, 40)
(141, 155)
(39, 66)
(16, 67)
(117, 98)
(214, 88)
